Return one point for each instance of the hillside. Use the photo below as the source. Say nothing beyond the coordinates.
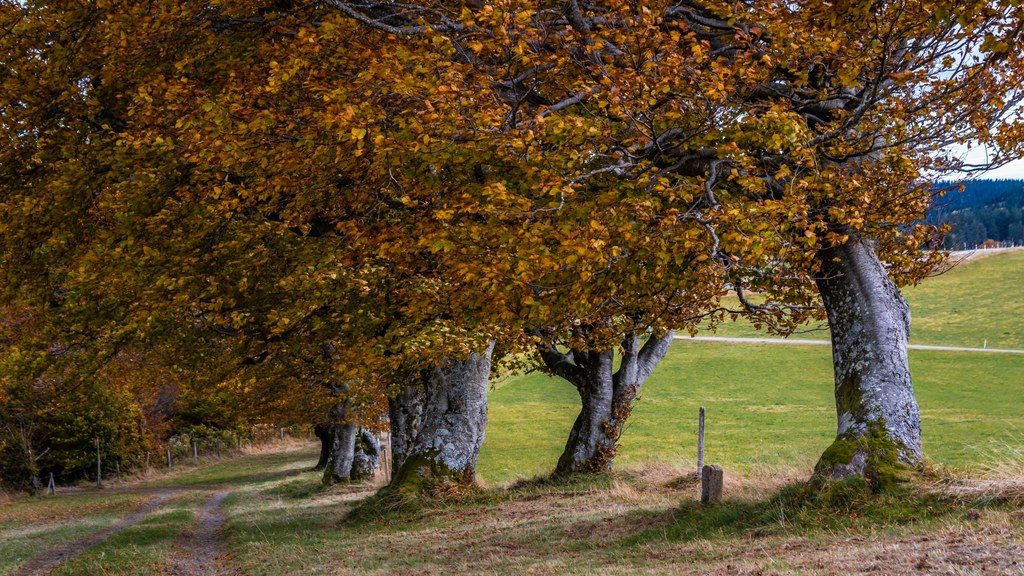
(983, 210)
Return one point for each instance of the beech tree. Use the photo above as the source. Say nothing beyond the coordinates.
(389, 217)
(607, 396)
(899, 83)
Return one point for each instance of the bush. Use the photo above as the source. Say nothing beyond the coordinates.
(207, 438)
(82, 415)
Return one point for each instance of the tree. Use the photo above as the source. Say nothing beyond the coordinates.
(607, 396)
(928, 82)
(451, 426)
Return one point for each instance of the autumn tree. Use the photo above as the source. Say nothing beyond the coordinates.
(878, 92)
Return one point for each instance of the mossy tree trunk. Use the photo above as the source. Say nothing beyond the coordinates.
(366, 456)
(342, 438)
(879, 430)
(606, 397)
(352, 452)
(452, 423)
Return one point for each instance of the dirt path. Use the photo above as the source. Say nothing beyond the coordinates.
(197, 551)
(49, 560)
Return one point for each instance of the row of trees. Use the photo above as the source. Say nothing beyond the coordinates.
(133, 404)
(377, 200)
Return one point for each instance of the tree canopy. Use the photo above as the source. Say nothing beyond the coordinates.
(403, 183)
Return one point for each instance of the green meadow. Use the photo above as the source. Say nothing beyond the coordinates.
(970, 305)
(770, 406)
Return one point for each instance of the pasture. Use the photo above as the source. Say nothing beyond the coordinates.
(770, 407)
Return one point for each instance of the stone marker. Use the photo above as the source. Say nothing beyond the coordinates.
(711, 484)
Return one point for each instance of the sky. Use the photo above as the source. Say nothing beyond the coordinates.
(1014, 170)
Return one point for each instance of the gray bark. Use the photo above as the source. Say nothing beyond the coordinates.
(349, 452)
(606, 397)
(366, 456)
(879, 427)
(405, 413)
(342, 453)
(452, 424)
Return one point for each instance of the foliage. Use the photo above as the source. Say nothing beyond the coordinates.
(268, 197)
(111, 418)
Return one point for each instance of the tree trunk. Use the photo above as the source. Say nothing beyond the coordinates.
(405, 413)
(342, 453)
(606, 396)
(322, 432)
(451, 429)
(879, 431)
(366, 457)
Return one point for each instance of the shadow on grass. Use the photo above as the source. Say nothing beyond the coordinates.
(803, 508)
(544, 512)
(389, 505)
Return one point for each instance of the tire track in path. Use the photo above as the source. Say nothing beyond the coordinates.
(48, 561)
(197, 551)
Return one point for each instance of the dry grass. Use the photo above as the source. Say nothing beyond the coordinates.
(641, 520)
(953, 550)
(1001, 481)
(44, 510)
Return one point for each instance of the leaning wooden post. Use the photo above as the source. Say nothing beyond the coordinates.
(147, 462)
(168, 457)
(700, 442)
(385, 455)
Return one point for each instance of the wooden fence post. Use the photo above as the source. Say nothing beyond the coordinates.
(99, 467)
(700, 442)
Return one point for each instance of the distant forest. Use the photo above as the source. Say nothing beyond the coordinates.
(985, 210)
